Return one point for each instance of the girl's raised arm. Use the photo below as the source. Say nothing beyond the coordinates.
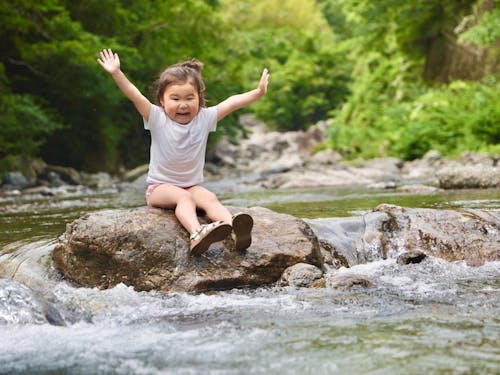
(238, 101)
(111, 63)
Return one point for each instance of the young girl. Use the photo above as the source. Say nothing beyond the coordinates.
(179, 124)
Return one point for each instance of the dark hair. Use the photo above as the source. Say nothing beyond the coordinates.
(186, 71)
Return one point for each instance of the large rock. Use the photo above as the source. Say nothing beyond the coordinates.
(148, 249)
(468, 177)
(467, 234)
(388, 231)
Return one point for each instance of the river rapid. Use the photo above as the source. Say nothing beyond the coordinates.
(434, 317)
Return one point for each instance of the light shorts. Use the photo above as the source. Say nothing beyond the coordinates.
(149, 191)
(152, 187)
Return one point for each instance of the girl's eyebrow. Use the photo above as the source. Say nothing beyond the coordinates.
(180, 95)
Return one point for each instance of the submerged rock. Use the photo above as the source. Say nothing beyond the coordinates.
(352, 240)
(408, 257)
(21, 305)
(148, 249)
(347, 281)
(300, 275)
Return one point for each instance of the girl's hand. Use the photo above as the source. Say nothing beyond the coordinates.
(109, 61)
(264, 79)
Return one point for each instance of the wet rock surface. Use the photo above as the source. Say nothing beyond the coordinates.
(409, 257)
(347, 281)
(468, 235)
(148, 249)
(300, 275)
(21, 305)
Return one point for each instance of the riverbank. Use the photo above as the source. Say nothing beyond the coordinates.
(291, 160)
(273, 160)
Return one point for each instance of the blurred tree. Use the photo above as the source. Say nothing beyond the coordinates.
(373, 66)
(292, 38)
(49, 51)
(392, 110)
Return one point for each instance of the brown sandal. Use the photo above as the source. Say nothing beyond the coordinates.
(242, 227)
(206, 235)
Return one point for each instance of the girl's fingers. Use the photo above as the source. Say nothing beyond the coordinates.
(107, 54)
(265, 77)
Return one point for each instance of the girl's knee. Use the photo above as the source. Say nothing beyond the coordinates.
(211, 197)
(186, 199)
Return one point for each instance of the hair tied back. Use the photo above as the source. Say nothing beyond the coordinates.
(193, 64)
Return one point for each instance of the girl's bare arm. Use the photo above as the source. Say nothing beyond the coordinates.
(238, 101)
(111, 63)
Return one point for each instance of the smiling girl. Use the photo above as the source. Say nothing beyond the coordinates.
(179, 124)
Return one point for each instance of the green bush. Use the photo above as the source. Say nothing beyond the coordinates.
(25, 125)
(303, 90)
(461, 116)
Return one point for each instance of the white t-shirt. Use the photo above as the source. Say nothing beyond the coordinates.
(177, 154)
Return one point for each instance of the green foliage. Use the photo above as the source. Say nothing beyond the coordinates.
(461, 116)
(50, 53)
(486, 32)
(304, 89)
(391, 110)
(25, 122)
(25, 125)
(302, 15)
(360, 62)
(413, 24)
(293, 40)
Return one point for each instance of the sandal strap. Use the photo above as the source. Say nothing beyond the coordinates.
(204, 229)
(198, 232)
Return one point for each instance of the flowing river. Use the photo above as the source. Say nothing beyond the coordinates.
(433, 317)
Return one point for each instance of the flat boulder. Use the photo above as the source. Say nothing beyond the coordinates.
(148, 249)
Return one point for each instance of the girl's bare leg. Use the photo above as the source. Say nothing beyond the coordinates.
(209, 202)
(182, 200)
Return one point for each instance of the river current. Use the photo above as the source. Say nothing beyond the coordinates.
(434, 317)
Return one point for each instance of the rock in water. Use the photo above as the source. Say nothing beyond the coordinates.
(347, 281)
(414, 256)
(147, 248)
(454, 235)
(21, 305)
(468, 235)
(300, 275)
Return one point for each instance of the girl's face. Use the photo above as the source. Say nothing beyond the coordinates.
(181, 102)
